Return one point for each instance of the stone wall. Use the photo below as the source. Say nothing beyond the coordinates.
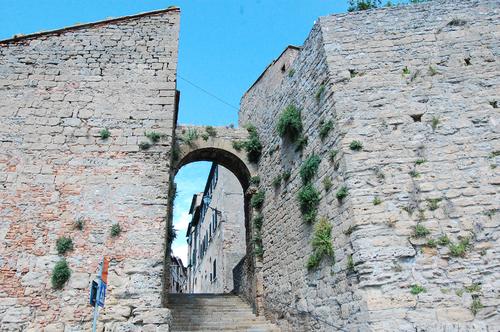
(418, 87)
(58, 90)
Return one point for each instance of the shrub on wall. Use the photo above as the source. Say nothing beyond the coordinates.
(172, 233)
(144, 145)
(116, 230)
(309, 199)
(324, 129)
(252, 145)
(60, 274)
(255, 180)
(211, 131)
(321, 243)
(357, 5)
(238, 145)
(153, 136)
(342, 193)
(290, 123)
(190, 136)
(309, 168)
(64, 244)
(257, 200)
(104, 133)
(356, 145)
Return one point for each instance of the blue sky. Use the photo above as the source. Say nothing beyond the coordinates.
(224, 46)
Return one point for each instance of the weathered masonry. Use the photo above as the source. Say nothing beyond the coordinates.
(418, 87)
(399, 104)
(59, 92)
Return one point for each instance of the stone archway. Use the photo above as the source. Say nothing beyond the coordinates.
(218, 148)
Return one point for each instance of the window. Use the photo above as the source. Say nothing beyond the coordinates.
(215, 269)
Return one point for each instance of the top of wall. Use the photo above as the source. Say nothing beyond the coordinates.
(290, 52)
(368, 20)
(22, 38)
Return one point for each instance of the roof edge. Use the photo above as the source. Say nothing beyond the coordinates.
(293, 47)
(87, 25)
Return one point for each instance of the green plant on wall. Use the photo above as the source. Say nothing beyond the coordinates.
(434, 122)
(320, 92)
(416, 289)
(172, 233)
(104, 133)
(277, 181)
(433, 203)
(258, 220)
(332, 154)
(238, 145)
(257, 237)
(255, 180)
(190, 136)
(144, 145)
(321, 244)
(327, 183)
(258, 200)
(356, 146)
(308, 198)
(342, 193)
(252, 145)
(290, 123)
(358, 5)
(476, 305)
(309, 168)
(459, 249)
(350, 264)
(421, 231)
(301, 143)
(443, 240)
(211, 131)
(60, 274)
(153, 136)
(79, 224)
(324, 129)
(116, 230)
(63, 245)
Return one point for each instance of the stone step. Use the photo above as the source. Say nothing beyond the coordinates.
(263, 327)
(215, 312)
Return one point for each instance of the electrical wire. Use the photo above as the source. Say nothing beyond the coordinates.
(207, 92)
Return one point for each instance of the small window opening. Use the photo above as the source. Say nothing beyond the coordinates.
(283, 68)
(416, 117)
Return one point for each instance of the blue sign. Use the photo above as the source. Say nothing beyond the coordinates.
(93, 292)
(101, 294)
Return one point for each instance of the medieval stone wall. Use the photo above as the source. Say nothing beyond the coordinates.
(57, 92)
(418, 87)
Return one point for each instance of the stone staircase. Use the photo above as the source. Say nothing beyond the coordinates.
(215, 312)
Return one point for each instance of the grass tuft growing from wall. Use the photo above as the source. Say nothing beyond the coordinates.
(64, 244)
(321, 244)
(324, 129)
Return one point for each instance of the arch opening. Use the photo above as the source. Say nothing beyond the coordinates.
(243, 268)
